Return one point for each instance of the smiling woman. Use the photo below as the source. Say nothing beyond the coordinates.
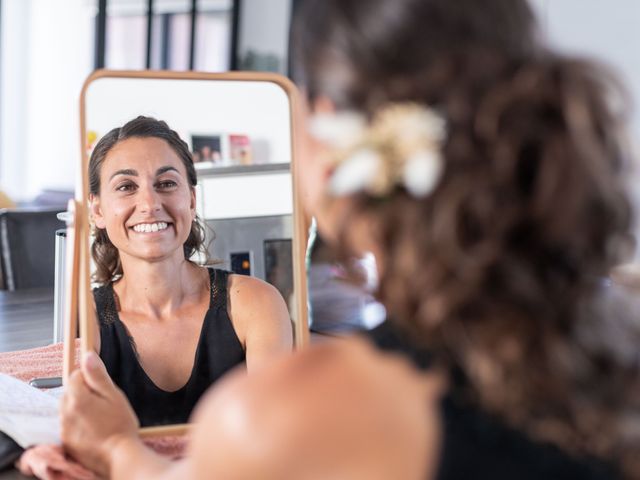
(169, 327)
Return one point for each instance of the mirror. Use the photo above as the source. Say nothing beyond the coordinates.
(239, 129)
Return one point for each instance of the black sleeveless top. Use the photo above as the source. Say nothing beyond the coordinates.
(218, 350)
(477, 445)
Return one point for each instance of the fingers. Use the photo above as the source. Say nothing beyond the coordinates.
(76, 391)
(48, 462)
(95, 374)
(24, 463)
(75, 401)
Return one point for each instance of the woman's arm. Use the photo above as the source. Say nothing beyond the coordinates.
(261, 319)
(335, 411)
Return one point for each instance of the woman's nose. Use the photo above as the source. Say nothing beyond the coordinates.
(148, 199)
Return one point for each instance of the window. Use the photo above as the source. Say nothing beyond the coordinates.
(126, 35)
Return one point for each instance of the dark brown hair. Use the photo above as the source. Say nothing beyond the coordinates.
(105, 254)
(498, 270)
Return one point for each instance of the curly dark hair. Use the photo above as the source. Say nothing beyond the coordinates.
(104, 253)
(497, 271)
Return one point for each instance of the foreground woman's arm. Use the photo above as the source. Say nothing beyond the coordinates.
(333, 411)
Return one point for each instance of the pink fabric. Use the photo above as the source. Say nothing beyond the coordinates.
(47, 362)
(37, 362)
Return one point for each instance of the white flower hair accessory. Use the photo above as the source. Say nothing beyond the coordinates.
(401, 146)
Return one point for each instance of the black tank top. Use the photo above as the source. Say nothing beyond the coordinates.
(476, 444)
(218, 350)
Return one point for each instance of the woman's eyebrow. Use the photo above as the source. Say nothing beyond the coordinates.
(126, 171)
(165, 169)
(134, 173)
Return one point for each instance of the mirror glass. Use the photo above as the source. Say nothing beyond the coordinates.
(239, 131)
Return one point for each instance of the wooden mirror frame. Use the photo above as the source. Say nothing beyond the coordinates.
(79, 307)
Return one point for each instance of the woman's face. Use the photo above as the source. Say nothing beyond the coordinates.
(145, 203)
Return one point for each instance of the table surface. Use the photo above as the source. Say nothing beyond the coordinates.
(26, 318)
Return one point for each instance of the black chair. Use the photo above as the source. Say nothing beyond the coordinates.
(27, 247)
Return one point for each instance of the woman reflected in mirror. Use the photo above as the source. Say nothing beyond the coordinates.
(169, 327)
(486, 174)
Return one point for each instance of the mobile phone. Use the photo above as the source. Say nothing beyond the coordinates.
(51, 382)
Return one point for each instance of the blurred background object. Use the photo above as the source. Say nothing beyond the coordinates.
(5, 201)
(340, 296)
(27, 247)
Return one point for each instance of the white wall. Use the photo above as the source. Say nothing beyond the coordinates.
(47, 53)
(246, 196)
(13, 92)
(202, 107)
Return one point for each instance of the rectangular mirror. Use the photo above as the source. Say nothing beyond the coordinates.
(239, 130)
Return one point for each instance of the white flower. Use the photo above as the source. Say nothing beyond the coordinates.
(434, 126)
(400, 147)
(356, 173)
(422, 172)
(413, 123)
(337, 130)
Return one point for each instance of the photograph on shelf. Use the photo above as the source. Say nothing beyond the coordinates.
(240, 150)
(206, 149)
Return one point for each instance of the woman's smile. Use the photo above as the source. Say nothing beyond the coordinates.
(150, 227)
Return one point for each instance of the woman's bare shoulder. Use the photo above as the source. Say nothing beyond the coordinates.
(343, 400)
(251, 288)
(259, 315)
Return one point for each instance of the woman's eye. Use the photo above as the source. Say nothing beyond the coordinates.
(125, 187)
(165, 184)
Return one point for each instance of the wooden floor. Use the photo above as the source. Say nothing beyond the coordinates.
(26, 319)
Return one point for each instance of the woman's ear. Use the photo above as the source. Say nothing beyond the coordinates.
(96, 211)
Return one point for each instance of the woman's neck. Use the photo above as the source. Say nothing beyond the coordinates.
(157, 289)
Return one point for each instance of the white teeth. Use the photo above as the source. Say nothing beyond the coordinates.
(150, 227)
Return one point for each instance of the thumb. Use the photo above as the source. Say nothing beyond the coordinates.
(95, 374)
